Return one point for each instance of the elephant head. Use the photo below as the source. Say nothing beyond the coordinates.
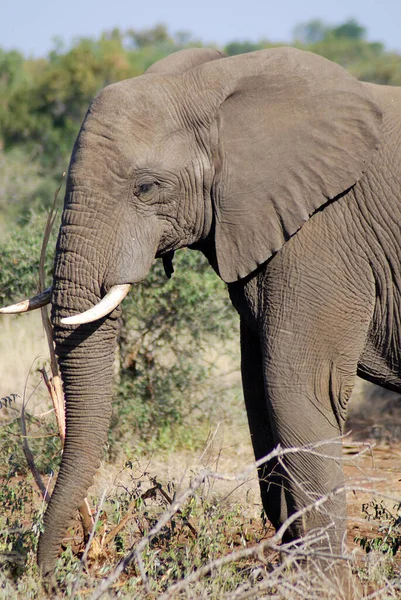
(230, 156)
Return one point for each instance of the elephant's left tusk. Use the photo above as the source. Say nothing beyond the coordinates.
(111, 300)
(31, 304)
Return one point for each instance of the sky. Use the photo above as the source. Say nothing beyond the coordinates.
(31, 25)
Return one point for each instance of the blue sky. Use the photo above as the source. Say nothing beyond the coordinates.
(30, 25)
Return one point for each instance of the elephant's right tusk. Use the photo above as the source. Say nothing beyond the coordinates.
(111, 300)
(31, 304)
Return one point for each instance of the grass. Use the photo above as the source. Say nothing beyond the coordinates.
(215, 546)
(23, 349)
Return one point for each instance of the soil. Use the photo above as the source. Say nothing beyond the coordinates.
(374, 424)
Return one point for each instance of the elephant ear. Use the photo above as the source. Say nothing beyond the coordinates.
(182, 61)
(294, 131)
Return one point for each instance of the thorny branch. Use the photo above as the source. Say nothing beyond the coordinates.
(273, 543)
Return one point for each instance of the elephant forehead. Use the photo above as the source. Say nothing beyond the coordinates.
(142, 122)
(171, 151)
(148, 102)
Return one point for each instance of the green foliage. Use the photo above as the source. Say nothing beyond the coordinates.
(19, 259)
(354, 55)
(24, 187)
(351, 30)
(21, 509)
(234, 48)
(166, 375)
(20, 521)
(389, 539)
(43, 441)
(316, 30)
(383, 68)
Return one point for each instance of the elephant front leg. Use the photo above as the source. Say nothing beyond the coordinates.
(280, 412)
(312, 498)
(310, 359)
(263, 440)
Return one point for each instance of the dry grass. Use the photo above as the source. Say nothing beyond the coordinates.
(230, 555)
(23, 349)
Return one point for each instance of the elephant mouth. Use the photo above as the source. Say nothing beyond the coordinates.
(104, 307)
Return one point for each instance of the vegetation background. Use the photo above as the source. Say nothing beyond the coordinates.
(177, 367)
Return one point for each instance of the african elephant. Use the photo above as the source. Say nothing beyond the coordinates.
(283, 170)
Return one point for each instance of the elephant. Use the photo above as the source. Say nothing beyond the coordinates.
(283, 170)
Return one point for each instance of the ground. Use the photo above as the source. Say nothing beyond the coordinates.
(372, 458)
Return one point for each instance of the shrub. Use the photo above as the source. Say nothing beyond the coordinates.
(166, 327)
(19, 259)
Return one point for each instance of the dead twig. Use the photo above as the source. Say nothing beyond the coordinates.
(293, 551)
(179, 512)
(132, 505)
(54, 385)
(88, 545)
(30, 458)
(25, 446)
(151, 492)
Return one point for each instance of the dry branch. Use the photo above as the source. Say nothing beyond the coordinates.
(294, 552)
(88, 545)
(151, 492)
(29, 456)
(54, 385)
(132, 505)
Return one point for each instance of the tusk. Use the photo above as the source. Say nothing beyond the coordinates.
(111, 300)
(31, 304)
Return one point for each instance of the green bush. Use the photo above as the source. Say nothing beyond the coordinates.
(389, 539)
(23, 187)
(19, 259)
(166, 326)
(165, 374)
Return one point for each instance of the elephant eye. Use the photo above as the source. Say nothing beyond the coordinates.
(146, 189)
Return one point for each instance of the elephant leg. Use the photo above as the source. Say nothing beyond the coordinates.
(314, 322)
(261, 432)
(303, 419)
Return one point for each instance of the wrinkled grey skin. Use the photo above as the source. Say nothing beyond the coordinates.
(284, 171)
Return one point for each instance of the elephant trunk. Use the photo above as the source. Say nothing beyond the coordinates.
(97, 250)
(86, 355)
(86, 362)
